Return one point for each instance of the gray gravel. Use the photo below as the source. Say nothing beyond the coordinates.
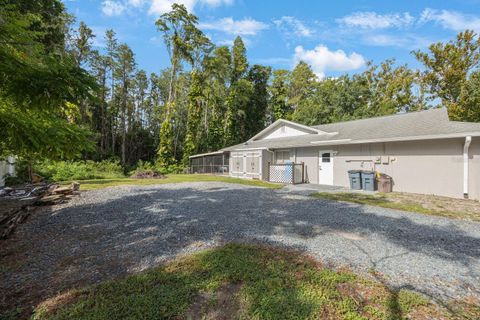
(115, 231)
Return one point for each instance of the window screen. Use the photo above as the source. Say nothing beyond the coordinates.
(326, 157)
(282, 156)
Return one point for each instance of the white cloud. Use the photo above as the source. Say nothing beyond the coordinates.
(291, 26)
(245, 27)
(322, 59)
(372, 20)
(410, 41)
(452, 20)
(112, 8)
(162, 6)
(216, 3)
(136, 3)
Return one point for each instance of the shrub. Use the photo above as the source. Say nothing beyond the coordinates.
(11, 181)
(174, 168)
(144, 170)
(143, 166)
(79, 170)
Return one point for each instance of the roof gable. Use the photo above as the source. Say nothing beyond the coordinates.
(283, 129)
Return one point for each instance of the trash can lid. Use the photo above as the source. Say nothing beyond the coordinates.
(354, 171)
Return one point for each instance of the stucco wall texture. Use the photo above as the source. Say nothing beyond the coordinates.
(429, 167)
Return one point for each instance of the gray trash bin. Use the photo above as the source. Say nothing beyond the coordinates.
(369, 183)
(355, 177)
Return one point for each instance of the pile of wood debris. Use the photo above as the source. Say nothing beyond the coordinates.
(147, 174)
(16, 204)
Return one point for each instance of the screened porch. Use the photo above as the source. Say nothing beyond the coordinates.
(212, 163)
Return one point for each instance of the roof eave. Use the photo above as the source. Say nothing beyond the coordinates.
(207, 154)
(294, 124)
(399, 139)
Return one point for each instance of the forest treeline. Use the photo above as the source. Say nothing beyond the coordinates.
(63, 98)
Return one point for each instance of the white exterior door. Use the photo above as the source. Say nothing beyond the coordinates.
(325, 167)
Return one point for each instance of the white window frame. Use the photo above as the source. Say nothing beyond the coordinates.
(283, 159)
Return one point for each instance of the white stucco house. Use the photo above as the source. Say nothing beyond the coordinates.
(423, 152)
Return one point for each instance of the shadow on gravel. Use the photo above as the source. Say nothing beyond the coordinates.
(78, 246)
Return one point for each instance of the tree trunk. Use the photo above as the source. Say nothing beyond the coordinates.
(124, 115)
(171, 90)
(113, 134)
(103, 114)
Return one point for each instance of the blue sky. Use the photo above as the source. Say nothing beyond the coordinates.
(335, 37)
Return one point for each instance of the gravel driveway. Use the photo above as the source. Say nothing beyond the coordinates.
(115, 231)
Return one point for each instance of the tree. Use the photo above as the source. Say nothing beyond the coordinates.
(236, 129)
(448, 67)
(182, 39)
(302, 84)
(239, 59)
(218, 73)
(471, 99)
(278, 91)
(111, 46)
(140, 96)
(390, 90)
(238, 96)
(50, 22)
(258, 105)
(81, 44)
(100, 66)
(195, 102)
(40, 85)
(124, 73)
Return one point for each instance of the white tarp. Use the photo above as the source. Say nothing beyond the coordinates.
(7, 167)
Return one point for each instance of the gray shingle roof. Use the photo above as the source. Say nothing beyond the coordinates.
(421, 125)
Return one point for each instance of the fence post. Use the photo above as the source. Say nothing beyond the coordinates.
(303, 172)
(293, 173)
(268, 171)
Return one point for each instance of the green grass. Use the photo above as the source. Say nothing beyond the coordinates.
(171, 178)
(272, 284)
(412, 203)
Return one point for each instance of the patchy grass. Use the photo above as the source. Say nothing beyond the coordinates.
(425, 204)
(171, 178)
(240, 281)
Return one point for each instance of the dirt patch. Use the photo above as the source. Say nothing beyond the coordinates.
(222, 304)
(53, 304)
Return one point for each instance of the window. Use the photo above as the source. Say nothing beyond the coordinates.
(326, 157)
(282, 156)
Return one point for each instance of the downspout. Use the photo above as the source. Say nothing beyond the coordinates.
(466, 146)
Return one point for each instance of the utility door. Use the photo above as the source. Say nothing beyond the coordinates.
(253, 167)
(237, 160)
(325, 167)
